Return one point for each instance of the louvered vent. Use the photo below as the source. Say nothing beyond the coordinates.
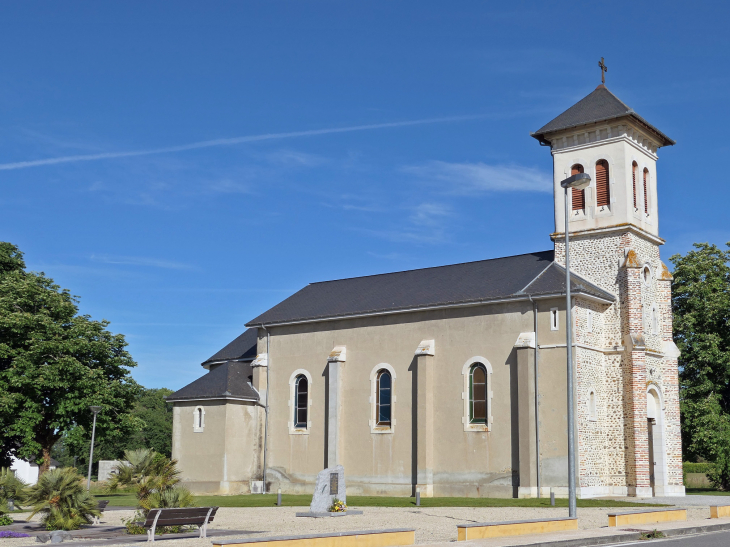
(579, 196)
(646, 191)
(633, 174)
(603, 194)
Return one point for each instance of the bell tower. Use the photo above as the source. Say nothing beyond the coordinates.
(602, 136)
(625, 357)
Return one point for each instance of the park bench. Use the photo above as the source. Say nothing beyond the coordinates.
(100, 507)
(179, 516)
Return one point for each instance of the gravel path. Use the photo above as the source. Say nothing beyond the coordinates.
(433, 524)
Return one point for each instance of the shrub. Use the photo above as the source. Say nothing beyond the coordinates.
(705, 467)
(155, 479)
(5, 520)
(719, 473)
(11, 487)
(61, 499)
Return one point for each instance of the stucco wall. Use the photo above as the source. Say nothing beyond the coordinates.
(467, 463)
(224, 456)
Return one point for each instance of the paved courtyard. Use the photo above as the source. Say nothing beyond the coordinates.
(433, 525)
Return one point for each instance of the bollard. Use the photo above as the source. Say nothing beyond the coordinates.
(278, 498)
(418, 497)
(552, 498)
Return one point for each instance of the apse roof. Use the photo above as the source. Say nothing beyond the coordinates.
(229, 380)
(466, 283)
(599, 106)
(241, 348)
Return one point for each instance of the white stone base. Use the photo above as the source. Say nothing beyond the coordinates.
(587, 492)
(528, 492)
(669, 490)
(641, 492)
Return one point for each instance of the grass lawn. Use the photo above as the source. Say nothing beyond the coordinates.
(269, 500)
(706, 492)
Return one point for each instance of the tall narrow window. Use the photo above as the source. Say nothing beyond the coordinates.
(301, 402)
(603, 193)
(553, 318)
(198, 419)
(383, 394)
(578, 196)
(654, 320)
(646, 191)
(592, 410)
(589, 321)
(478, 394)
(634, 168)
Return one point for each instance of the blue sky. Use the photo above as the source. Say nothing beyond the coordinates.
(184, 166)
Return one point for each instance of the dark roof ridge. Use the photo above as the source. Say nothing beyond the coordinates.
(432, 267)
(601, 105)
(538, 276)
(582, 279)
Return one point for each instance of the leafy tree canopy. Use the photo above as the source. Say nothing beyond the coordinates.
(701, 306)
(55, 364)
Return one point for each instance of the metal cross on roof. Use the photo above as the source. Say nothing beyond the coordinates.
(604, 69)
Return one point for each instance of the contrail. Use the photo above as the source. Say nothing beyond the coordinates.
(227, 142)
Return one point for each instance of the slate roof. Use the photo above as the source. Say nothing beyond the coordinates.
(229, 380)
(242, 348)
(470, 282)
(601, 105)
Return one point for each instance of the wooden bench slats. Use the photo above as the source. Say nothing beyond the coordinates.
(179, 516)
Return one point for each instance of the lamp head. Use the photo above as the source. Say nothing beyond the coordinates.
(95, 409)
(579, 181)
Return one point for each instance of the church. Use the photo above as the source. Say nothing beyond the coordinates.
(452, 380)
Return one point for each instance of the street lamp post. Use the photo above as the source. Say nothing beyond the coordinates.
(95, 410)
(579, 181)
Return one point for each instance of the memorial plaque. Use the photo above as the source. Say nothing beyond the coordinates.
(334, 483)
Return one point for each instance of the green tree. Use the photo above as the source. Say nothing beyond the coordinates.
(55, 364)
(701, 306)
(155, 414)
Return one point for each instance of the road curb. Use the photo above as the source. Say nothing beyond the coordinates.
(628, 537)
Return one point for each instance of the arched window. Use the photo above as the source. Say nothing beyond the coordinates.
(603, 192)
(301, 401)
(198, 419)
(646, 190)
(383, 393)
(478, 394)
(634, 169)
(578, 196)
(646, 275)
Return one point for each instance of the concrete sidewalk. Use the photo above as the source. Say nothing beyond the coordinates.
(598, 536)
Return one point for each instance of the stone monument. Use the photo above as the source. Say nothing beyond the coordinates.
(330, 485)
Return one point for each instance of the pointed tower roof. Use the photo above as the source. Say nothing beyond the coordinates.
(600, 106)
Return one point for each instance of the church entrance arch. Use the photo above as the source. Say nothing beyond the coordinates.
(657, 446)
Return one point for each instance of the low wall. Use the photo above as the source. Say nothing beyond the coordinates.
(106, 467)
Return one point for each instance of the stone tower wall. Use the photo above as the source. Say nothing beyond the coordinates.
(619, 358)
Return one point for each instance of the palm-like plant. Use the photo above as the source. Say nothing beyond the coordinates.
(11, 487)
(60, 497)
(154, 477)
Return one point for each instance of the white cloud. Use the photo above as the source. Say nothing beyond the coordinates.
(429, 214)
(230, 141)
(473, 178)
(141, 261)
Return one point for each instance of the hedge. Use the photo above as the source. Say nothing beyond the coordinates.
(690, 467)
